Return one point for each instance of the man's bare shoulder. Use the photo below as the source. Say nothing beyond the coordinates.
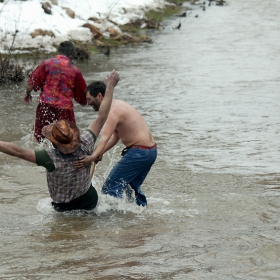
(120, 111)
(117, 102)
(120, 105)
(117, 107)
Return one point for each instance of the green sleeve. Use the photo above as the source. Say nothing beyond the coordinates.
(93, 135)
(43, 159)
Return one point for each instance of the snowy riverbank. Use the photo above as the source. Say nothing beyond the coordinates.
(32, 24)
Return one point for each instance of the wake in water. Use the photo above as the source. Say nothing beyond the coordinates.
(105, 204)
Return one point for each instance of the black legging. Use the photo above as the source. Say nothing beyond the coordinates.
(87, 201)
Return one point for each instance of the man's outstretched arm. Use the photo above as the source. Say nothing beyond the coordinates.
(16, 151)
(108, 139)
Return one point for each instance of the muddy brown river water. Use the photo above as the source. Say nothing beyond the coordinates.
(210, 94)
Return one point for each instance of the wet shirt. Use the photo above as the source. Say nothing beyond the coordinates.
(65, 182)
(59, 81)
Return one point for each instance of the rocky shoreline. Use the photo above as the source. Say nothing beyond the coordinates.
(97, 34)
(113, 26)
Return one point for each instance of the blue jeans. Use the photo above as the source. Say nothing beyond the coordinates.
(131, 170)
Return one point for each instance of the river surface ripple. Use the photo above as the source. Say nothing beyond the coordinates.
(210, 94)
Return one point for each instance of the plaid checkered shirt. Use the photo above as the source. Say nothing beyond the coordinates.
(66, 183)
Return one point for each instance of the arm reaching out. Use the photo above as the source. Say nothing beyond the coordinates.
(28, 97)
(97, 154)
(104, 109)
(108, 139)
(106, 146)
(111, 82)
(16, 151)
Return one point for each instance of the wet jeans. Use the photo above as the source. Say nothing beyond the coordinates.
(131, 170)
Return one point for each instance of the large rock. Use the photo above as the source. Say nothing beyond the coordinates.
(47, 7)
(41, 32)
(97, 34)
(69, 12)
(97, 20)
(113, 32)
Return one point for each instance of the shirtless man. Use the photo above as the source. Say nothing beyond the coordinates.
(124, 123)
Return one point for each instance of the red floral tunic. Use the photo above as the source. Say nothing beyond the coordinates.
(59, 81)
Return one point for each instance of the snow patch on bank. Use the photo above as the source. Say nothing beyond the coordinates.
(18, 19)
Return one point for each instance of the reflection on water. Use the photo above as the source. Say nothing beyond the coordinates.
(209, 93)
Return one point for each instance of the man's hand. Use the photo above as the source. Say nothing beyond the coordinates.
(27, 98)
(113, 78)
(83, 162)
(99, 158)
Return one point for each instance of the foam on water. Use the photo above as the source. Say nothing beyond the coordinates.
(108, 203)
(44, 206)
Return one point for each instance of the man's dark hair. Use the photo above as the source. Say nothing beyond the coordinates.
(67, 48)
(95, 87)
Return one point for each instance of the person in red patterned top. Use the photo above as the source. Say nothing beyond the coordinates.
(59, 81)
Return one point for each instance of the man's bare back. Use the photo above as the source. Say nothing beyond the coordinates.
(128, 123)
